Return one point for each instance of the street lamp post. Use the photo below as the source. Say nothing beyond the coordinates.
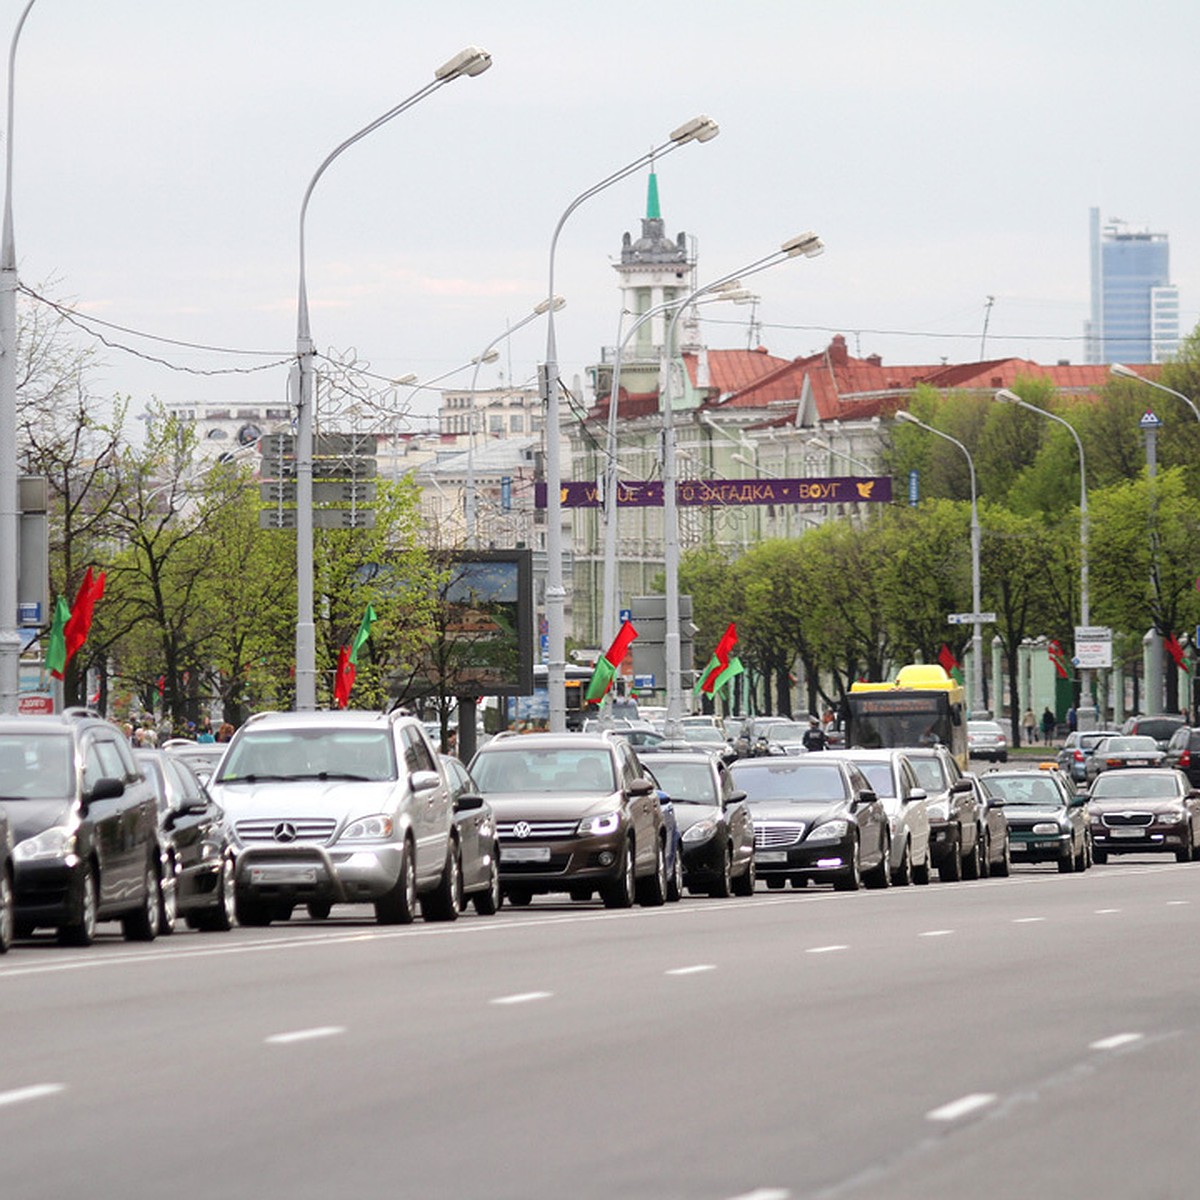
(10, 639)
(1129, 373)
(1085, 715)
(698, 129)
(976, 628)
(809, 246)
(468, 62)
(488, 354)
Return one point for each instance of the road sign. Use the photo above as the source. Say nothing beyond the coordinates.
(1093, 646)
(348, 467)
(338, 445)
(333, 491)
(984, 618)
(278, 445)
(277, 518)
(35, 703)
(344, 518)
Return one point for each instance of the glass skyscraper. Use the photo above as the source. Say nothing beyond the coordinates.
(1135, 308)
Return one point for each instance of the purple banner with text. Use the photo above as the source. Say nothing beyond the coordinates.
(841, 489)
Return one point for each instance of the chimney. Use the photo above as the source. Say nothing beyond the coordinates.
(875, 360)
(837, 351)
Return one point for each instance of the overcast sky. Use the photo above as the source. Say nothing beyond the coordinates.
(944, 151)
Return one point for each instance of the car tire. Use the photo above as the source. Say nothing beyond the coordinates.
(722, 888)
(619, 891)
(922, 872)
(950, 870)
(799, 881)
(985, 855)
(222, 917)
(319, 910)
(675, 883)
(1183, 854)
(652, 891)
(254, 913)
(1099, 856)
(168, 904)
(971, 868)
(880, 876)
(903, 874)
(1066, 862)
(398, 906)
(519, 897)
(8, 920)
(1002, 869)
(142, 924)
(82, 931)
(487, 902)
(849, 880)
(744, 884)
(444, 903)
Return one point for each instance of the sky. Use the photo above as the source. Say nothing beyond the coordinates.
(945, 152)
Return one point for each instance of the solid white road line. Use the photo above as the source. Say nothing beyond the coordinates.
(961, 1108)
(696, 970)
(936, 933)
(1027, 920)
(20, 1095)
(304, 1035)
(521, 998)
(825, 949)
(1118, 1039)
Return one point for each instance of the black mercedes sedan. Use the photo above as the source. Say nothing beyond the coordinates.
(815, 818)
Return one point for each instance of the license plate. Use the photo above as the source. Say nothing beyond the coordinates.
(771, 856)
(283, 874)
(525, 854)
(1138, 762)
(1044, 845)
(1127, 833)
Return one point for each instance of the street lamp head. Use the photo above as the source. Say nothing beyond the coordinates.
(404, 380)
(489, 357)
(474, 60)
(1008, 397)
(901, 415)
(807, 244)
(558, 304)
(1124, 371)
(698, 129)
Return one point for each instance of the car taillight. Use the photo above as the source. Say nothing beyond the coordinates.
(1079, 756)
(1185, 759)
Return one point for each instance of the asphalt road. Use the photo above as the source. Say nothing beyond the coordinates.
(1035, 1036)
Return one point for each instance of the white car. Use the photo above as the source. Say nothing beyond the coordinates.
(339, 807)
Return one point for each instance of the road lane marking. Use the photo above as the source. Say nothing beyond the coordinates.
(764, 1194)
(304, 1035)
(521, 998)
(696, 970)
(936, 933)
(1118, 1039)
(961, 1108)
(1100, 912)
(1027, 920)
(36, 1092)
(825, 949)
(1171, 903)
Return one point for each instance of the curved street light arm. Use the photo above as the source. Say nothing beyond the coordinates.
(1125, 372)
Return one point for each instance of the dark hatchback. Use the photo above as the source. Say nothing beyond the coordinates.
(84, 825)
(1144, 812)
(1047, 818)
(1183, 753)
(815, 818)
(198, 869)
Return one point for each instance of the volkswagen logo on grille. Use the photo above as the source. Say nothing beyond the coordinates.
(522, 829)
(285, 831)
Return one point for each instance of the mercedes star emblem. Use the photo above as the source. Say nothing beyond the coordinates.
(285, 831)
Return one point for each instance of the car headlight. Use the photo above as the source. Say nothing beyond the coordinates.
(56, 842)
(938, 810)
(830, 831)
(598, 826)
(374, 829)
(1170, 816)
(1049, 827)
(701, 831)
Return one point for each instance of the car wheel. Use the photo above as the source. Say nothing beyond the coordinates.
(985, 856)
(723, 887)
(82, 932)
(951, 869)
(881, 876)
(1003, 866)
(1066, 862)
(487, 903)
(675, 883)
(619, 892)
(744, 884)
(518, 897)
(8, 919)
(254, 912)
(445, 902)
(849, 880)
(1099, 856)
(222, 917)
(168, 903)
(922, 871)
(399, 905)
(971, 868)
(319, 910)
(799, 881)
(903, 875)
(142, 924)
(1183, 854)
(652, 891)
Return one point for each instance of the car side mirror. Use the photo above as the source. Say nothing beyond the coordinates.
(642, 787)
(468, 802)
(916, 794)
(424, 781)
(737, 797)
(1078, 800)
(961, 785)
(863, 797)
(108, 788)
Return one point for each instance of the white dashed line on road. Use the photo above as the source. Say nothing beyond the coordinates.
(1101, 912)
(765, 1194)
(1117, 1040)
(696, 970)
(825, 949)
(521, 998)
(936, 933)
(961, 1108)
(304, 1035)
(37, 1092)
(1027, 920)
(1172, 903)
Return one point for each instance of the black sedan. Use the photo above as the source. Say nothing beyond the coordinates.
(815, 818)
(715, 826)
(197, 858)
(995, 854)
(1141, 812)
(1121, 753)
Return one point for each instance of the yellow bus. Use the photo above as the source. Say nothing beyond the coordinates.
(922, 706)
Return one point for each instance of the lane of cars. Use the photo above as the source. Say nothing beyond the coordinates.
(318, 809)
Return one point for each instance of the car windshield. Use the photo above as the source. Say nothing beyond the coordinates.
(687, 782)
(931, 773)
(984, 728)
(1089, 741)
(786, 731)
(1036, 790)
(36, 766)
(1126, 745)
(879, 776)
(309, 753)
(552, 770)
(706, 734)
(1130, 785)
(800, 782)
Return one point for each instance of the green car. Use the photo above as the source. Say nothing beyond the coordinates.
(1047, 817)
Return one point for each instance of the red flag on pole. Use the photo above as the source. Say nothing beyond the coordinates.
(80, 624)
(344, 680)
(720, 659)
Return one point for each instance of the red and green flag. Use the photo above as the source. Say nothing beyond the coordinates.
(79, 626)
(1177, 653)
(950, 664)
(56, 650)
(727, 676)
(718, 663)
(347, 667)
(609, 663)
(1059, 658)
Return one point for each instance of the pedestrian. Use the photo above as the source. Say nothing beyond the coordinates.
(1029, 721)
(225, 732)
(1047, 724)
(814, 736)
(206, 734)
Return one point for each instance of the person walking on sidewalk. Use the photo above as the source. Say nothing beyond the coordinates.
(1047, 724)
(1029, 722)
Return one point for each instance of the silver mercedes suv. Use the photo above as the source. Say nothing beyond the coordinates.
(338, 807)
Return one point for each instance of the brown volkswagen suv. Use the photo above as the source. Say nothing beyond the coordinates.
(575, 813)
